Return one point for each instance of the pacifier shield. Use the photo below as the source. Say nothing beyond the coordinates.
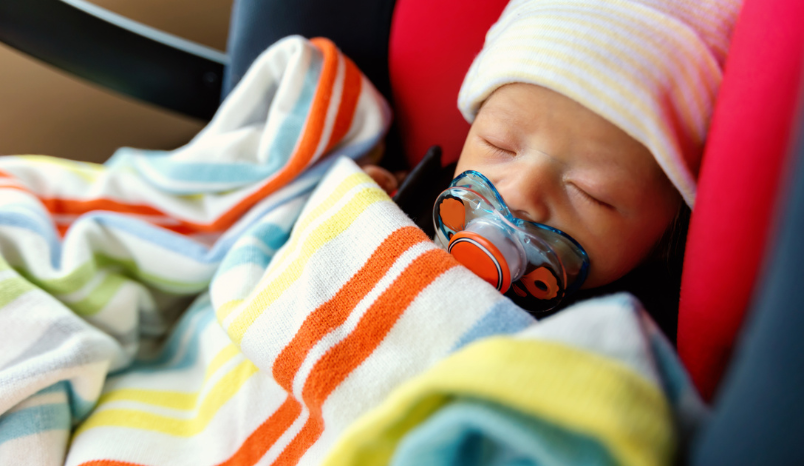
(481, 257)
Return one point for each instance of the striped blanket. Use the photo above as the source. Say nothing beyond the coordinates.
(255, 298)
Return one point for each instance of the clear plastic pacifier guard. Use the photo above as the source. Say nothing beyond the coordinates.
(534, 264)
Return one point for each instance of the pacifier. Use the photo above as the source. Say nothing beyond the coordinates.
(532, 263)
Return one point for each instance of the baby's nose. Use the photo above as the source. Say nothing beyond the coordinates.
(527, 195)
(524, 215)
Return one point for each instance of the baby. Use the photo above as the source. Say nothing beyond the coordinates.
(590, 117)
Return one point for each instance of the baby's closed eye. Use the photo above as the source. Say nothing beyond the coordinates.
(497, 148)
(586, 197)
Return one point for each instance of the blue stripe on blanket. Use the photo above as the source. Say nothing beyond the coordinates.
(159, 236)
(229, 175)
(40, 418)
(79, 407)
(300, 187)
(472, 432)
(124, 156)
(232, 175)
(179, 351)
(55, 388)
(357, 150)
(270, 235)
(191, 249)
(249, 254)
(36, 223)
(34, 420)
(504, 317)
(292, 125)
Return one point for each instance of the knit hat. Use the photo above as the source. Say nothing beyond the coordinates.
(651, 67)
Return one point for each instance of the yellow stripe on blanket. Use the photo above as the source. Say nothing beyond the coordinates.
(223, 390)
(172, 399)
(350, 182)
(88, 171)
(556, 383)
(324, 233)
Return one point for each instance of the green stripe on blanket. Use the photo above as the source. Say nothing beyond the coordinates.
(12, 288)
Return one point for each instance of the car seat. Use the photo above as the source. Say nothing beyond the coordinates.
(417, 51)
(432, 44)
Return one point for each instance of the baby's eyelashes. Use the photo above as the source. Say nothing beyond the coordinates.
(588, 198)
(497, 150)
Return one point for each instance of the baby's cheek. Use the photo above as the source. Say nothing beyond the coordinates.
(615, 255)
(611, 254)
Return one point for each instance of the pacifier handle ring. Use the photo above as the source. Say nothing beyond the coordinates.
(482, 257)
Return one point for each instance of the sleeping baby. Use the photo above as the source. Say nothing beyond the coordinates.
(588, 125)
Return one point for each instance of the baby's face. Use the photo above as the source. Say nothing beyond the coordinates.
(556, 162)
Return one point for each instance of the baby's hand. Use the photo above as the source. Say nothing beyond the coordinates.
(387, 180)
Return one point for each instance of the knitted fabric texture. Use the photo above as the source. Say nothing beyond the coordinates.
(651, 67)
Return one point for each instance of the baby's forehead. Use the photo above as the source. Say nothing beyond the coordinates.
(525, 104)
(528, 113)
(529, 119)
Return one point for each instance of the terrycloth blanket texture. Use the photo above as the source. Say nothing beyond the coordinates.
(254, 298)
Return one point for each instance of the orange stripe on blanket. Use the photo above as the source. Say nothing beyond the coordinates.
(341, 360)
(18, 188)
(335, 311)
(265, 435)
(305, 152)
(63, 226)
(62, 230)
(58, 206)
(344, 357)
(332, 313)
(352, 86)
(73, 207)
(109, 463)
(254, 447)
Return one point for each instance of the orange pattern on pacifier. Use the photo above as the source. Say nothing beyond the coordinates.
(453, 213)
(541, 283)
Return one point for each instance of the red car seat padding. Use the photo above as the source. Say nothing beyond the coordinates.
(738, 183)
(432, 45)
